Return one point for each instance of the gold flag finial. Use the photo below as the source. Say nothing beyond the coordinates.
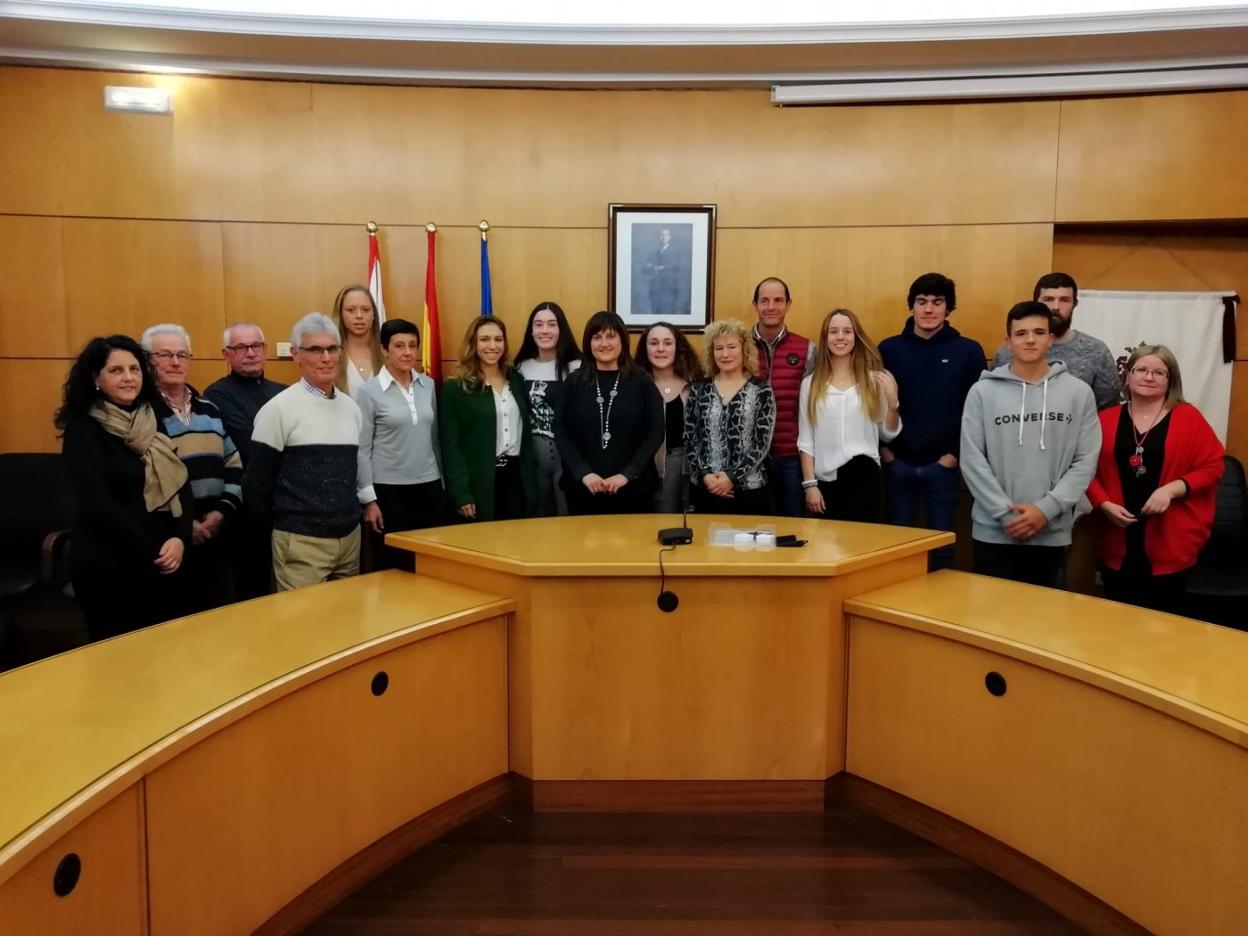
(431, 228)
(485, 228)
(372, 227)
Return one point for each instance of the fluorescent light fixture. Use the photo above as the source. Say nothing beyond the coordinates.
(139, 100)
(1011, 86)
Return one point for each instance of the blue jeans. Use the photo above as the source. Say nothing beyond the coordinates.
(938, 486)
(784, 476)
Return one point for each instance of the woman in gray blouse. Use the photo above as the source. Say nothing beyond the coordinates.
(399, 475)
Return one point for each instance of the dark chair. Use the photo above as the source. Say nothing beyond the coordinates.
(1218, 585)
(36, 513)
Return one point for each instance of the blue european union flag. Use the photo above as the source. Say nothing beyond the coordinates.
(487, 299)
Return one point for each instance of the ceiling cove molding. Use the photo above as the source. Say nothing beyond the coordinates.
(123, 15)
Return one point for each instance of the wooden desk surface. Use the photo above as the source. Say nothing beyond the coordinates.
(628, 546)
(88, 722)
(1185, 668)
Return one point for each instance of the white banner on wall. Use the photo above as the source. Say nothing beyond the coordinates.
(1188, 323)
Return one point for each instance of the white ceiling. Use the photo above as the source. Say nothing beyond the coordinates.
(646, 43)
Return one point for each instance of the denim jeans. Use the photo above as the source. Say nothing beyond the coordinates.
(784, 477)
(939, 488)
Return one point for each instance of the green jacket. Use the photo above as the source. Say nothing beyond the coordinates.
(466, 430)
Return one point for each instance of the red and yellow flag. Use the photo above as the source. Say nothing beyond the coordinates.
(431, 334)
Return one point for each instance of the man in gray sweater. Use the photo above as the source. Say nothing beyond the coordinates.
(1030, 440)
(1085, 357)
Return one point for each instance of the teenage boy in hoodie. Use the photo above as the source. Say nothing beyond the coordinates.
(934, 367)
(1030, 440)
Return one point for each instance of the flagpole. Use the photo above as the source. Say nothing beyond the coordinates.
(487, 296)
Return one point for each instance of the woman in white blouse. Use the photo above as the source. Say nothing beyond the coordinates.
(846, 408)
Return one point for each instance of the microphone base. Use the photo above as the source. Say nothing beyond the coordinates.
(675, 536)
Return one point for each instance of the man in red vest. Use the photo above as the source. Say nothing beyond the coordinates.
(783, 360)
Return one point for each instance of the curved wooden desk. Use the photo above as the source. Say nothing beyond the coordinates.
(208, 770)
(739, 693)
(1116, 754)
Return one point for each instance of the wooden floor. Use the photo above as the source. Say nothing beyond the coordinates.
(659, 875)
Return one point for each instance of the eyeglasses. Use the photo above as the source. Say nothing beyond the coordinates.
(321, 350)
(182, 356)
(1145, 372)
(256, 346)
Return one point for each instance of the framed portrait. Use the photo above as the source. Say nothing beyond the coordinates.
(661, 266)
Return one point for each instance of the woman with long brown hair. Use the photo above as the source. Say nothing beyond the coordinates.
(846, 408)
(486, 430)
(355, 314)
(668, 357)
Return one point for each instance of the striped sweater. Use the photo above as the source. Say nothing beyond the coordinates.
(301, 477)
(212, 462)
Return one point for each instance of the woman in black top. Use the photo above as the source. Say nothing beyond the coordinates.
(609, 426)
(134, 504)
(666, 355)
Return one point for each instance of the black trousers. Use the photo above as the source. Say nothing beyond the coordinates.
(756, 502)
(1138, 586)
(250, 548)
(855, 494)
(406, 507)
(510, 502)
(1020, 562)
(208, 574)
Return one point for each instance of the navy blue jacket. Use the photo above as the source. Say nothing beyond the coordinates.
(934, 376)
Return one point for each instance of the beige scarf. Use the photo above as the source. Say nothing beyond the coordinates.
(163, 472)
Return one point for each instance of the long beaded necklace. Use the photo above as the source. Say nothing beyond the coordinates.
(604, 417)
(1136, 461)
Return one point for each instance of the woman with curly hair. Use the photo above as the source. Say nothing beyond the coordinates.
(668, 357)
(135, 511)
(728, 425)
(486, 431)
(846, 408)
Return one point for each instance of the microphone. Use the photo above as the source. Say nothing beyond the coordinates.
(667, 600)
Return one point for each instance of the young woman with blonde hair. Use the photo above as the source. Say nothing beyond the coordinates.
(846, 408)
(355, 314)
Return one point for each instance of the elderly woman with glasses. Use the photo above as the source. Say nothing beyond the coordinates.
(212, 462)
(1156, 479)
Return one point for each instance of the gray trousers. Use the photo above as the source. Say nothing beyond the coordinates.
(551, 501)
(673, 493)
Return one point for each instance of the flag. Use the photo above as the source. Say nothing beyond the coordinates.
(487, 299)
(374, 273)
(431, 337)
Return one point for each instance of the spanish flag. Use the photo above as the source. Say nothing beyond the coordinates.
(431, 337)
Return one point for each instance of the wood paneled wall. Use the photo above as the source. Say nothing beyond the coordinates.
(249, 202)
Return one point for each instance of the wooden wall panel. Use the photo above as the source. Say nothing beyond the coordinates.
(1165, 157)
(267, 151)
(32, 289)
(122, 276)
(32, 391)
(63, 153)
(870, 269)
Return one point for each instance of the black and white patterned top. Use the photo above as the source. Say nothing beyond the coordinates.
(732, 437)
(541, 381)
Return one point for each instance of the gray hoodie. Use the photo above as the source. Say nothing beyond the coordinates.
(1028, 443)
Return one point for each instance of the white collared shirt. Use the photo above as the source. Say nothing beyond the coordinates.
(507, 422)
(385, 378)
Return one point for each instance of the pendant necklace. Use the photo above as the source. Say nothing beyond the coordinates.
(1136, 461)
(604, 417)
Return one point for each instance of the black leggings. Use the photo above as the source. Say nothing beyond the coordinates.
(855, 494)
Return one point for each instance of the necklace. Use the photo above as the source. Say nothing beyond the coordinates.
(1136, 461)
(604, 418)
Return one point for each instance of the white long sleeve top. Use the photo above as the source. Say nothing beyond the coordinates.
(841, 430)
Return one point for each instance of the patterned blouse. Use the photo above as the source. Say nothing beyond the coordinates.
(732, 437)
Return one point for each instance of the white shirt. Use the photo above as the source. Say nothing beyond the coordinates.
(841, 430)
(385, 378)
(507, 424)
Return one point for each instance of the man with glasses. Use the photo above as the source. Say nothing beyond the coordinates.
(301, 477)
(239, 396)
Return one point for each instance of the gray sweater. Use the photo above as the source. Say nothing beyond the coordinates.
(1085, 357)
(1028, 443)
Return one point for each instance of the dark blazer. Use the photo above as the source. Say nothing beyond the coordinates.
(466, 430)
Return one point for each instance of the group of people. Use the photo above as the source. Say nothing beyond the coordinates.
(187, 501)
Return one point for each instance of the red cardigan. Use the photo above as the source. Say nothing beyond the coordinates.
(1173, 539)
